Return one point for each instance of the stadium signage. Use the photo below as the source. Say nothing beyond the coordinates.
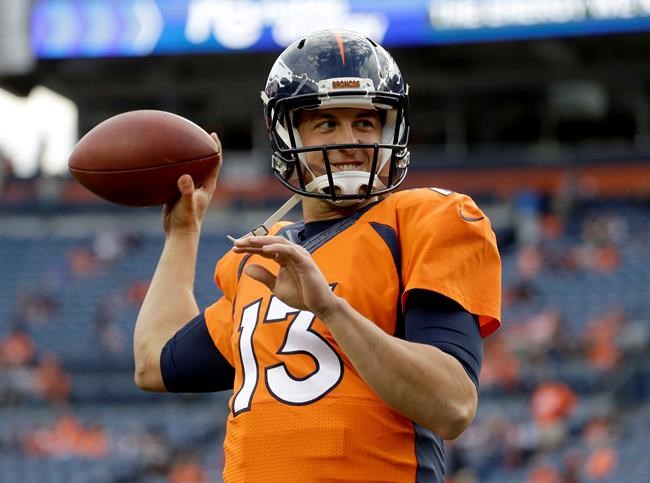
(472, 14)
(238, 24)
(103, 28)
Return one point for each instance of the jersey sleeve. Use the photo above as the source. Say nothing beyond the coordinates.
(448, 247)
(190, 361)
(219, 315)
(218, 320)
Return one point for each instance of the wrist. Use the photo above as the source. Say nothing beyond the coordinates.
(183, 244)
(332, 310)
(183, 234)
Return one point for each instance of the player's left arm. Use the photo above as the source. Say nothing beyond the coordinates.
(422, 382)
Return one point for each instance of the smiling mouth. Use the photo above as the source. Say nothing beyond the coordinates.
(353, 166)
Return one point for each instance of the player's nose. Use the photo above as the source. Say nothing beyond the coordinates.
(346, 134)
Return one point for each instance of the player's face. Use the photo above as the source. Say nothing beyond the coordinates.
(340, 126)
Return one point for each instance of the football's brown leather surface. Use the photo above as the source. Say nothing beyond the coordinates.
(135, 158)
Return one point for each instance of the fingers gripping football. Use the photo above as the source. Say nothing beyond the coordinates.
(186, 214)
(299, 282)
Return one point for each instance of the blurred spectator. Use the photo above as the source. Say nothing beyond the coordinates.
(500, 367)
(93, 442)
(148, 446)
(521, 443)
(485, 446)
(527, 211)
(51, 382)
(543, 473)
(572, 466)
(107, 246)
(35, 306)
(551, 404)
(600, 431)
(522, 290)
(529, 261)
(109, 332)
(64, 438)
(601, 462)
(136, 292)
(552, 227)
(187, 468)
(17, 352)
(607, 258)
(604, 229)
(603, 258)
(82, 262)
(519, 292)
(16, 349)
(537, 335)
(132, 242)
(56, 440)
(601, 238)
(600, 435)
(600, 338)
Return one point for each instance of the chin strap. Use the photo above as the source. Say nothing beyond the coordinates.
(265, 227)
(349, 182)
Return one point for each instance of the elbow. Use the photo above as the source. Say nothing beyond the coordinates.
(458, 420)
(140, 379)
(148, 375)
(148, 379)
(456, 425)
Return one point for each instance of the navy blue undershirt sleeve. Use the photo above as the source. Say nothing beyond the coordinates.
(431, 318)
(190, 362)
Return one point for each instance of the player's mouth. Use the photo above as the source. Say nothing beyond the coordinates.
(347, 166)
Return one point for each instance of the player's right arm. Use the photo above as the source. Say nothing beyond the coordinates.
(170, 301)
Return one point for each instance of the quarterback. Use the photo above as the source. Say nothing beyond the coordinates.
(351, 341)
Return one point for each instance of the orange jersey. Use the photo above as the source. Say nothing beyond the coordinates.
(300, 411)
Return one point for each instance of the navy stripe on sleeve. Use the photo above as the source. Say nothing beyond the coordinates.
(190, 362)
(433, 319)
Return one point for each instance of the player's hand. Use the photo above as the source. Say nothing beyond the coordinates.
(185, 215)
(299, 282)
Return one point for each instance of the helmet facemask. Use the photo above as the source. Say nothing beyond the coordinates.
(389, 157)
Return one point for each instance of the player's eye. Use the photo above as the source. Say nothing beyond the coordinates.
(325, 124)
(366, 123)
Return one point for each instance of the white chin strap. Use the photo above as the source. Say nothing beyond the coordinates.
(345, 182)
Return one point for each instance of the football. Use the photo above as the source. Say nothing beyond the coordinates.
(135, 158)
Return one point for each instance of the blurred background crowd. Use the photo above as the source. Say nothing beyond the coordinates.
(541, 113)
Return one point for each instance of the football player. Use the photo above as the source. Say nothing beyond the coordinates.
(351, 340)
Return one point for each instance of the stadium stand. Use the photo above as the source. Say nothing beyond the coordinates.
(564, 387)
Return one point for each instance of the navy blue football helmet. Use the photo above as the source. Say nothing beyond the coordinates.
(330, 69)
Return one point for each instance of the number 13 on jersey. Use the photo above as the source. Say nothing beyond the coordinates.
(300, 338)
